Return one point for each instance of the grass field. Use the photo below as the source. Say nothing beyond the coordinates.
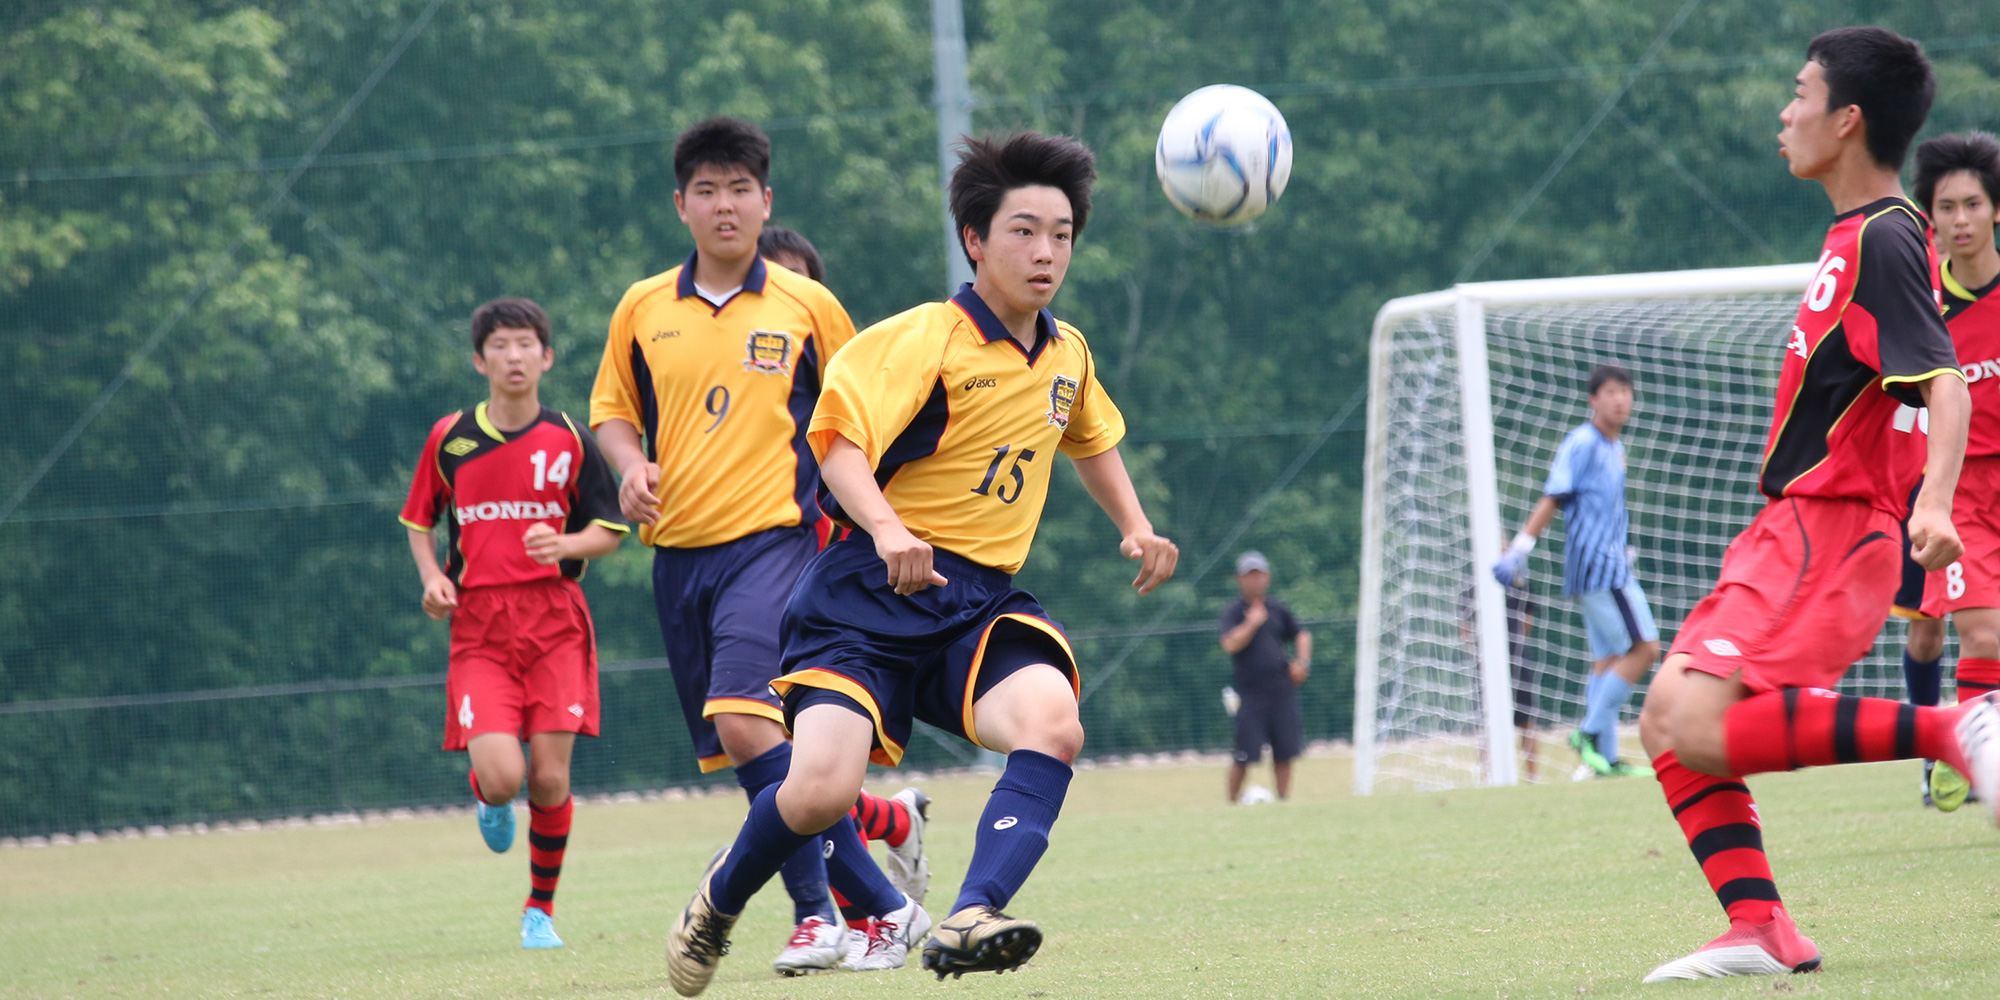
(1153, 888)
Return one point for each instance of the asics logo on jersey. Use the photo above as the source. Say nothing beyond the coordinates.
(660, 335)
(981, 383)
(1976, 370)
(1005, 822)
(509, 510)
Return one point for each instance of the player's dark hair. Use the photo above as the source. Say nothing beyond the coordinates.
(1887, 75)
(722, 142)
(989, 168)
(777, 239)
(1976, 153)
(514, 314)
(1609, 373)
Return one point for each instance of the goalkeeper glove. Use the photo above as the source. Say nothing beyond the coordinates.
(1514, 562)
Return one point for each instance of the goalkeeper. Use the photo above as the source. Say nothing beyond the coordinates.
(1587, 482)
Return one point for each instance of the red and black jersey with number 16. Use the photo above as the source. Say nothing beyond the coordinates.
(1869, 330)
(489, 486)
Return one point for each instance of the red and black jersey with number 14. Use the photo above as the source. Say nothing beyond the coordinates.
(1869, 330)
(489, 486)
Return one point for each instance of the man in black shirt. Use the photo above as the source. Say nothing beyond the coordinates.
(1255, 629)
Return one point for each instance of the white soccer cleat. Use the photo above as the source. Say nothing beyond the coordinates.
(1769, 949)
(1979, 739)
(907, 868)
(889, 938)
(855, 944)
(816, 945)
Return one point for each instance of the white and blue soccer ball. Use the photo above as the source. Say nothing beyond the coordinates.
(1224, 155)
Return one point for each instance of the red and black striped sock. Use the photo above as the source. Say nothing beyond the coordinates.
(476, 793)
(886, 820)
(548, 837)
(1976, 677)
(1720, 821)
(1812, 727)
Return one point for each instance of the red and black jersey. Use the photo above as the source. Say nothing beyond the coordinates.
(1869, 331)
(1973, 315)
(490, 486)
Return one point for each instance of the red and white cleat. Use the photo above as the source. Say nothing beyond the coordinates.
(1773, 948)
(1978, 733)
(816, 945)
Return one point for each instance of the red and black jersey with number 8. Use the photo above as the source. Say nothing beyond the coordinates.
(1869, 330)
(489, 486)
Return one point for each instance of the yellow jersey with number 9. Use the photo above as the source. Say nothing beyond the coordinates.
(721, 394)
(962, 425)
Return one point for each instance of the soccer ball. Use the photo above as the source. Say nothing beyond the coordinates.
(1224, 155)
(1256, 795)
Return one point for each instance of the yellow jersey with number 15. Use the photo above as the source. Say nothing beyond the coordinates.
(721, 394)
(961, 425)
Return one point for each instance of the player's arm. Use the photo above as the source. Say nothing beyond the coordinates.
(1934, 542)
(614, 414)
(1561, 485)
(1235, 637)
(549, 547)
(1104, 475)
(1301, 665)
(440, 596)
(848, 475)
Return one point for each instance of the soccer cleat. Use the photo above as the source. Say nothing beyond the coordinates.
(890, 937)
(1944, 787)
(1623, 769)
(980, 939)
(699, 939)
(816, 945)
(496, 824)
(907, 868)
(1773, 948)
(1979, 740)
(1585, 746)
(537, 930)
(855, 944)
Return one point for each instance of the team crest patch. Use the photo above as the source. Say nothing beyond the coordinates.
(458, 447)
(770, 352)
(1062, 396)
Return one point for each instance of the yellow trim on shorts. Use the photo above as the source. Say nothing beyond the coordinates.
(742, 706)
(1909, 614)
(715, 763)
(890, 753)
(979, 658)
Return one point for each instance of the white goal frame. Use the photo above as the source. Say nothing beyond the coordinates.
(1469, 303)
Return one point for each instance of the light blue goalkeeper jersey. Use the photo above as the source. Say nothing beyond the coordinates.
(1588, 480)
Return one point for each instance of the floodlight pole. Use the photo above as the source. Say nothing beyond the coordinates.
(954, 117)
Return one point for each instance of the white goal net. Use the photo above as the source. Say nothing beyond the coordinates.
(1471, 391)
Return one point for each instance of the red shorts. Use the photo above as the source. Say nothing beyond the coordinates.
(523, 661)
(1974, 580)
(1803, 592)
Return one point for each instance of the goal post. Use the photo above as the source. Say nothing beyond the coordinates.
(1470, 391)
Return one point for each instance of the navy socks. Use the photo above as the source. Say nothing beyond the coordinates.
(1014, 830)
(855, 873)
(1923, 682)
(805, 872)
(762, 847)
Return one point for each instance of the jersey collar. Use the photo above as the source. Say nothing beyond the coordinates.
(990, 329)
(752, 282)
(1953, 287)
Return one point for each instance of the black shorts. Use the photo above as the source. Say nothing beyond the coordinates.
(1269, 719)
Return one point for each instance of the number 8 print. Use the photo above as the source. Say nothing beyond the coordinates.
(1954, 581)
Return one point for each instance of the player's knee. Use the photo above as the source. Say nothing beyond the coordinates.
(1060, 736)
(811, 802)
(548, 785)
(499, 786)
(1981, 642)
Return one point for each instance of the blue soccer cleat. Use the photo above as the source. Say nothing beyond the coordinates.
(537, 930)
(496, 824)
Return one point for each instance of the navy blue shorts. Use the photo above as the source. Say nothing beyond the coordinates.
(1910, 595)
(850, 639)
(719, 610)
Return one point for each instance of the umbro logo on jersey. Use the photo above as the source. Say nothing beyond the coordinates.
(660, 335)
(509, 510)
(1005, 822)
(1722, 647)
(980, 383)
(460, 447)
(576, 710)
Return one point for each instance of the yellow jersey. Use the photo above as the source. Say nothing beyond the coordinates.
(722, 394)
(961, 425)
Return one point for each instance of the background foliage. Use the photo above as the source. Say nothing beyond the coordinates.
(238, 242)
